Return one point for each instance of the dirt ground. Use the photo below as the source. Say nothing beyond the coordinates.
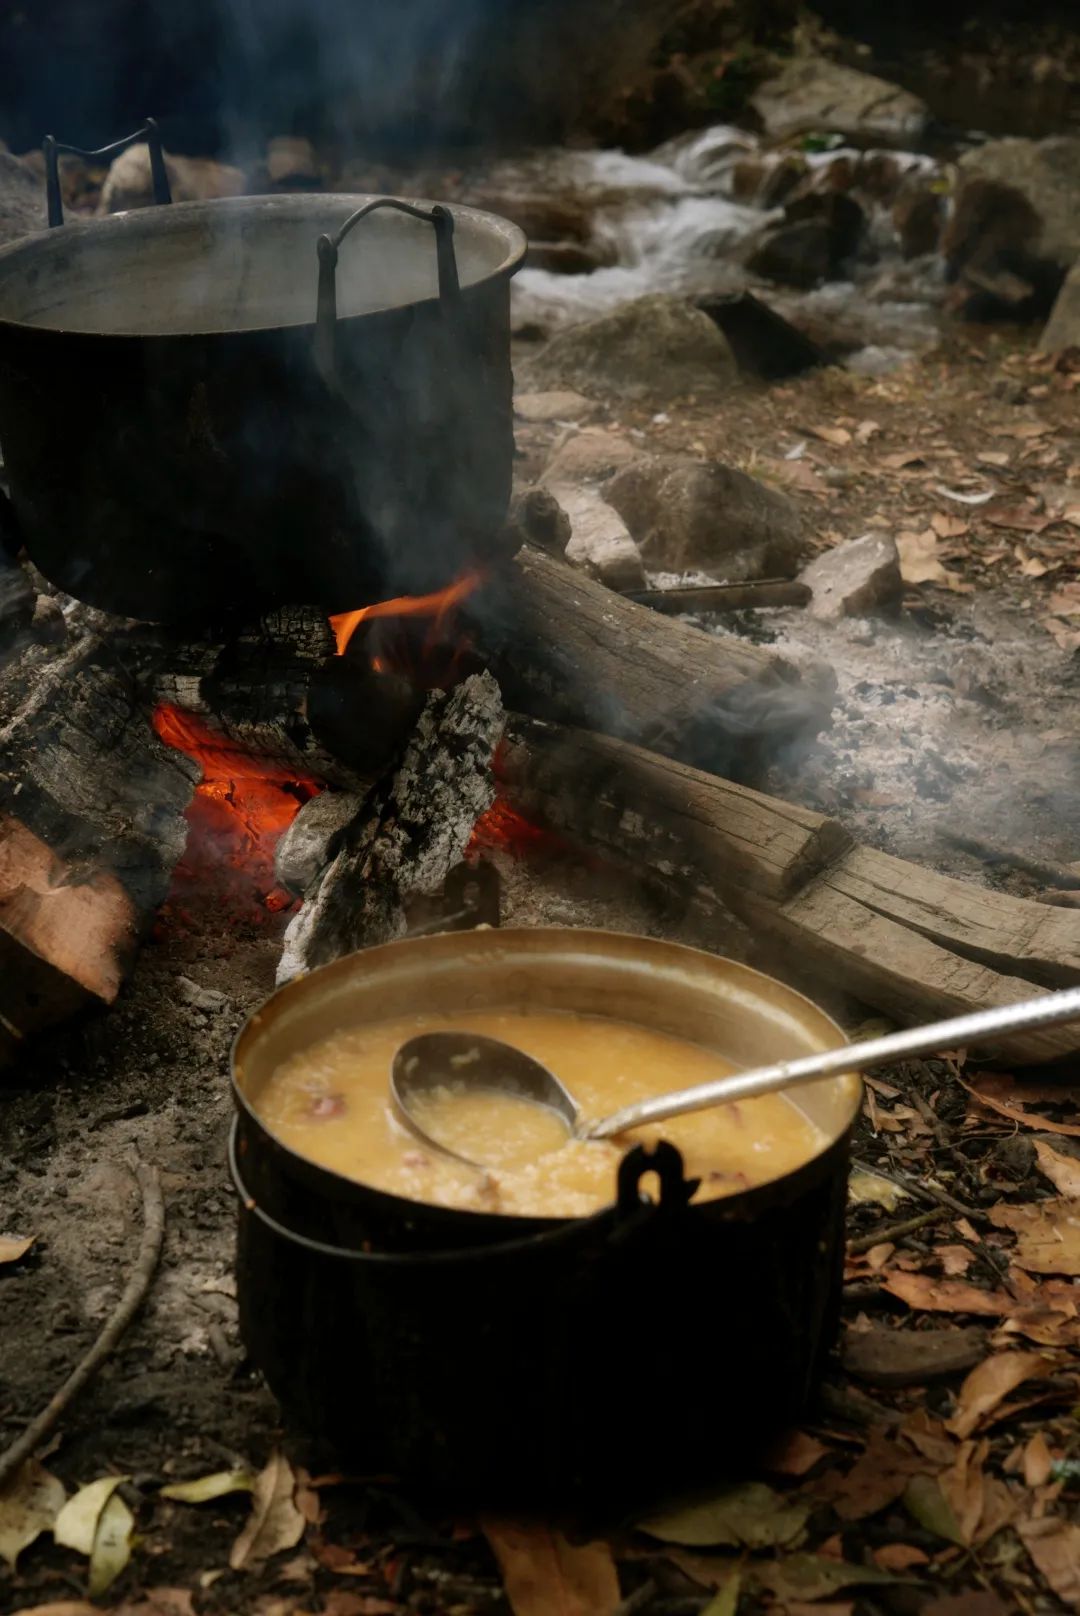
(978, 672)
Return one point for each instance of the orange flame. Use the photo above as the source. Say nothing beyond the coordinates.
(437, 606)
(239, 811)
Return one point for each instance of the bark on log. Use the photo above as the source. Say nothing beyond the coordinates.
(909, 941)
(81, 767)
(411, 832)
(566, 648)
(65, 942)
(723, 597)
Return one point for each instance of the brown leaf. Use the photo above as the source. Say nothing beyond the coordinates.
(344, 1602)
(995, 1089)
(1054, 1545)
(1038, 1461)
(1047, 1234)
(866, 430)
(836, 435)
(1068, 640)
(158, 1602)
(1049, 1326)
(793, 1454)
(899, 1557)
(972, 1602)
(876, 1479)
(919, 561)
(962, 1487)
(947, 526)
(929, 1437)
(275, 1523)
(14, 1246)
(1062, 1171)
(946, 1295)
(897, 462)
(989, 1383)
(62, 1607)
(954, 1259)
(1018, 518)
(545, 1575)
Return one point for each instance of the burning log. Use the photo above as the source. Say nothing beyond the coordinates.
(82, 770)
(567, 649)
(277, 691)
(66, 939)
(909, 941)
(412, 830)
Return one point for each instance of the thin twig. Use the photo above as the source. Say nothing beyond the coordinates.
(1051, 874)
(897, 1231)
(923, 1190)
(135, 1293)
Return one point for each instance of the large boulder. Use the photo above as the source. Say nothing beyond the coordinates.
(22, 199)
(996, 181)
(812, 93)
(651, 351)
(1063, 327)
(688, 514)
(191, 179)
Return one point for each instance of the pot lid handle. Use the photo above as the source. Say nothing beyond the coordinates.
(441, 220)
(52, 148)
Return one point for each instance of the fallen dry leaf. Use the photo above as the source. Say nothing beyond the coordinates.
(898, 461)
(876, 1479)
(954, 1259)
(927, 1504)
(1062, 1171)
(544, 1574)
(112, 1545)
(836, 435)
(994, 1089)
(989, 1383)
(14, 1246)
(919, 560)
(62, 1607)
(29, 1505)
(946, 1295)
(793, 1454)
(1025, 430)
(947, 526)
(726, 1602)
(866, 430)
(1047, 1234)
(972, 1602)
(1068, 640)
(871, 1187)
(899, 1557)
(275, 1523)
(76, 1524)
(961, 1484)
(158, 1602)
(1038, 1461)
(1054, 1545)
(813, 1576)
(203, 1489)
(748, 1515)
(1048, 1326)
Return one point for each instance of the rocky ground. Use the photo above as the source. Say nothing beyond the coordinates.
(927, 485)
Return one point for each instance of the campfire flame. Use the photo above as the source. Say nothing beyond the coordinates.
(438, 606)
(237, 815)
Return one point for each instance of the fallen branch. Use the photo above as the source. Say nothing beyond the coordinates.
(135, 1293)
(897, 1231)
(723, 597)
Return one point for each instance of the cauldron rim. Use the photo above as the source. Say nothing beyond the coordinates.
(326, 1181)
(306, 206)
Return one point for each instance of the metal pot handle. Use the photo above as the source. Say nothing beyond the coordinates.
(441, 220)
(676, 1191)
(52, 149)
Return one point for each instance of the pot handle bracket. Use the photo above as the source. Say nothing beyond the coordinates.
(442, 222)
(676, 1191)
(52, 148)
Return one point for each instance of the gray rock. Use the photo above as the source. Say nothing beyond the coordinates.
(200, 998)
(811, 93)
(917, 215)
(589, 457)
(690, 513)
(304, 849)
(1063, 327)
(22, 199)
(857, 577)
(649, 351)
(537, 518)
(1046, 174)
(561, 405)
(600, 543)
(191, 179)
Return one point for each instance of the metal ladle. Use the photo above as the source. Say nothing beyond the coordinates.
(488, 1065)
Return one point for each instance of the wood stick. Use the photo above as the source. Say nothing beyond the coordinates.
(723, 597)
(135, 1293)
(566, 648)
(897, 1231)
(1044, 870)
(918, 945)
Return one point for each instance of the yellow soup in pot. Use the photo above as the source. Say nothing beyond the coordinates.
(331, 1103)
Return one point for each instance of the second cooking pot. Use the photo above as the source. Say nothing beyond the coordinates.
(210, 407)
(599, 1360)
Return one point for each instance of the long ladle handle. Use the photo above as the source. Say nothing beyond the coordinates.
(1051, 1010)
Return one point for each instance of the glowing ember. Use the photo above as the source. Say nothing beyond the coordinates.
(239, 811)
(437, 606)
(503, 828)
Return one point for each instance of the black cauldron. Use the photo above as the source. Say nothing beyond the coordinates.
(203, 413)
(593, 1361)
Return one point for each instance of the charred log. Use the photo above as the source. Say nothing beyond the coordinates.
(565, 648)
(410, 833)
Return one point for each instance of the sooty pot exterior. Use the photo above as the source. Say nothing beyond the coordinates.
(597, 1360)
(601, 1363)
(176, 451)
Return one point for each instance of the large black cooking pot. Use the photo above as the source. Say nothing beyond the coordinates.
(592, 1360)
(213, 406)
